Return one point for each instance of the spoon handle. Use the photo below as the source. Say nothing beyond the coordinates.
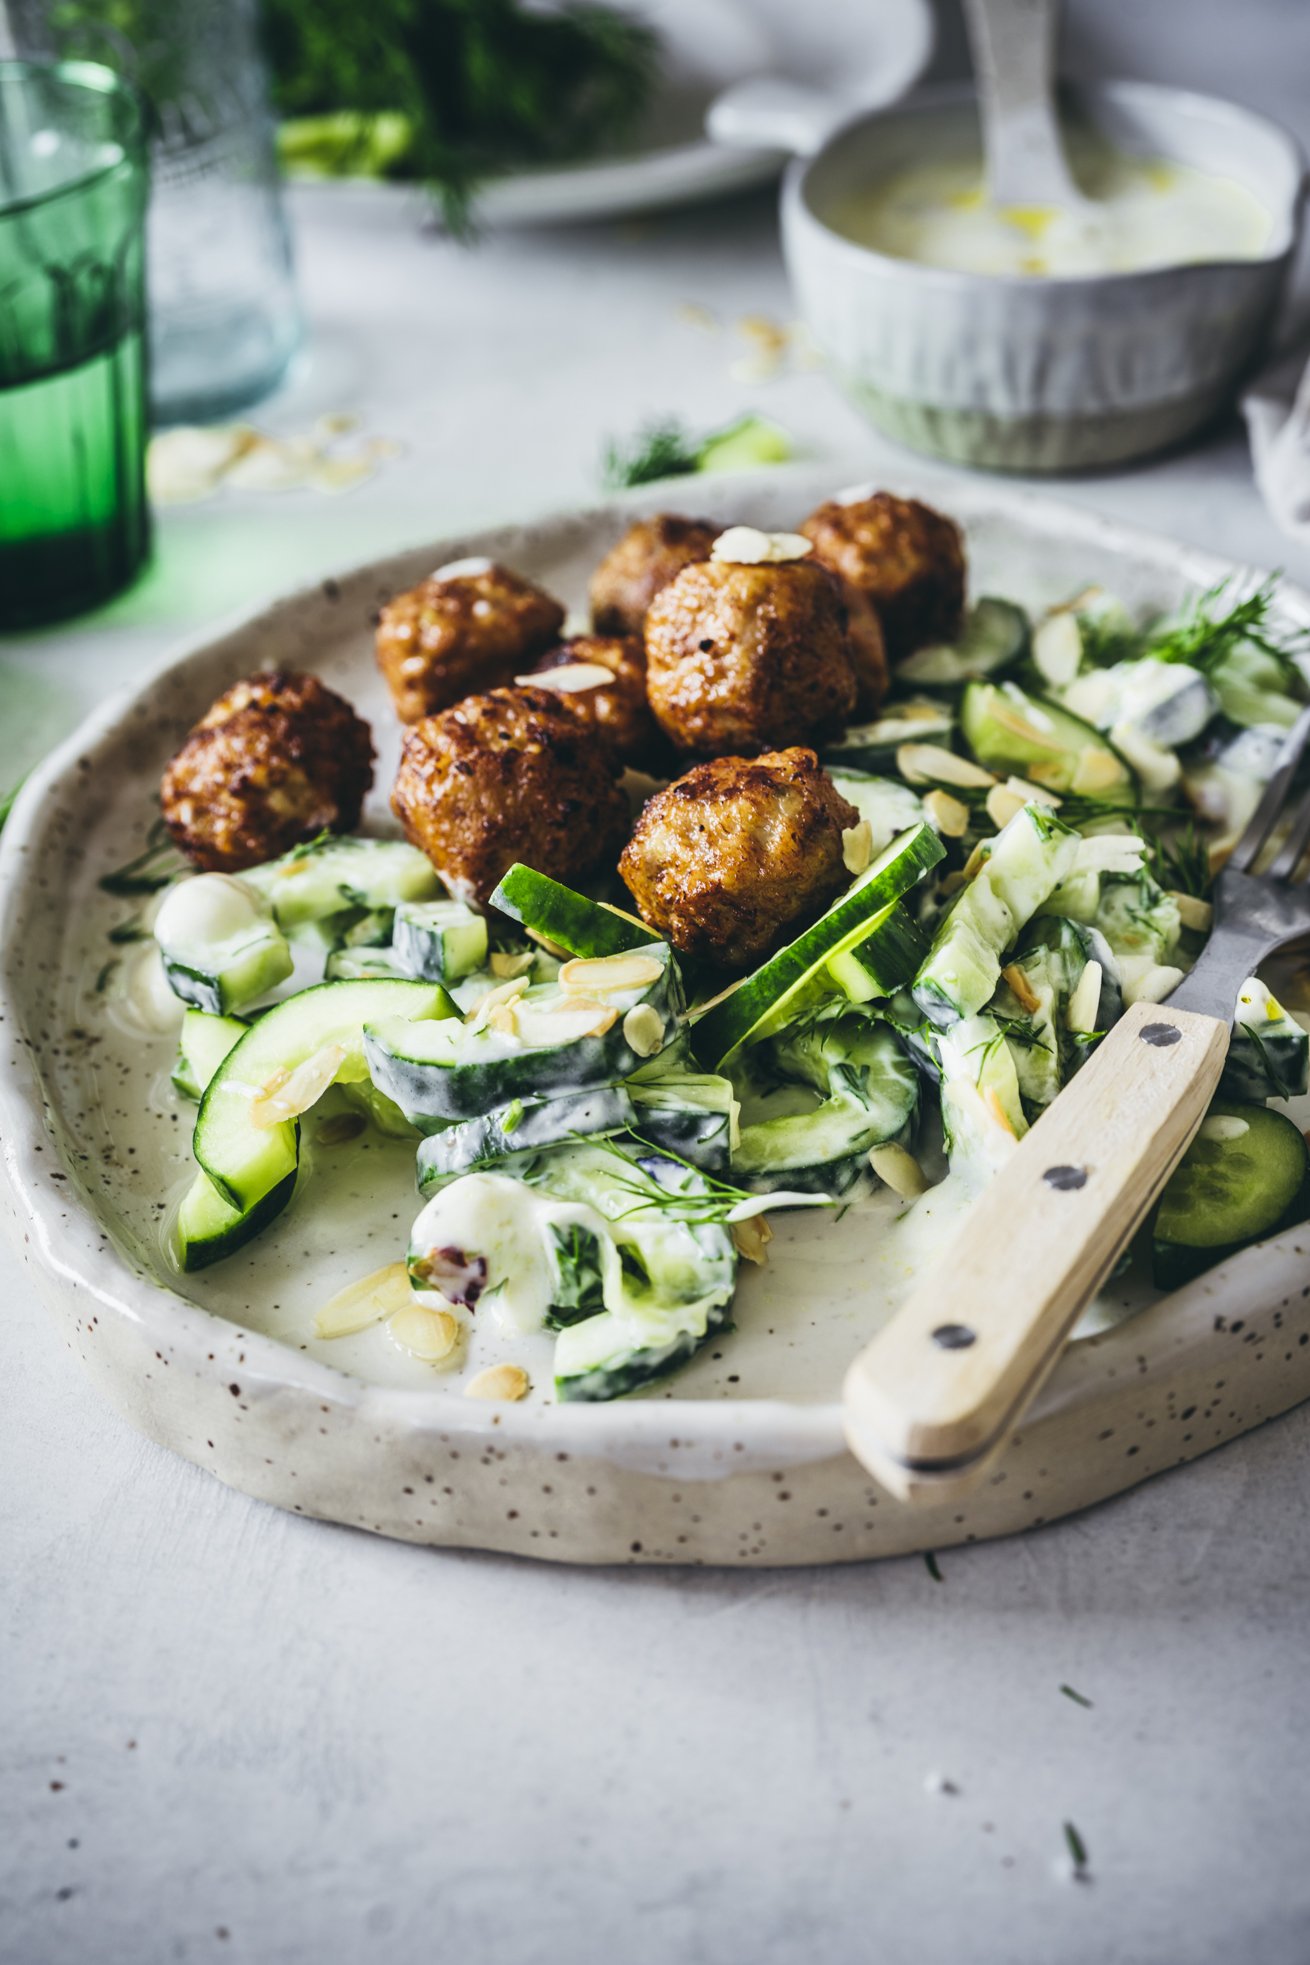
(1013, 44)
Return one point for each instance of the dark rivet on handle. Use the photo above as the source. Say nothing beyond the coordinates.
(1162, 1035)
(1066, 1179)
(954, 1337)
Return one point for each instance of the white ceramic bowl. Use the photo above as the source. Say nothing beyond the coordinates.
(1041, 374)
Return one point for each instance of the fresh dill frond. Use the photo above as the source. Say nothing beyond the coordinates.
(660, 449)
(1180, 862)
(1207, 632)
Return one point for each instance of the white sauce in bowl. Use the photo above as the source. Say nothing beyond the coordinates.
(1150, 213)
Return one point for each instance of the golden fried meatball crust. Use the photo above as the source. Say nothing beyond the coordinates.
(277, 759)
(517, 774)
(470, 627)
(903, 556)
(748, 658)
(731, 859)
(866, 647)
(649, 555)
(619, 707)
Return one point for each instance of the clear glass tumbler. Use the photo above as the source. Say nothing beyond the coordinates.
(224, 318)
(74, 523)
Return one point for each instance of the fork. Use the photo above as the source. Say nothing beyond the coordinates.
(936, 1396)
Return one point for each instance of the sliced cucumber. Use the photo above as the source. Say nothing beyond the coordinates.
(439, 941)
(1255, 687)
(872, 747)
(888, 958)
(869, 1092)
(691, 1113)
(1010, 731)
(221, 948)
(765, 1001)
(203, 1042)
(888, 805)
(331, 874)
(570, 920)
(1242, 1177)
(524, 1126)
(982, 1109)
(1268, 1053)
(1028, 858)
(744, 446)
(365, 965)
(604, 1358)
(245, 1160)
(208, 1228)
(438, 1072)
(995, 640)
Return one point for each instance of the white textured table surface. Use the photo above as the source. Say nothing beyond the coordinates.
(228, 1734)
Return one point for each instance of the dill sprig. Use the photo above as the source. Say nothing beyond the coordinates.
(1216, 623)
(663, 448)
(1180, 862)
(158, 865)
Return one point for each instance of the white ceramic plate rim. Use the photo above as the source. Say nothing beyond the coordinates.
(730, 1435)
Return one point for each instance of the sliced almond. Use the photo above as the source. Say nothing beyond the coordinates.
(1024, 994)
(605, 974)
(898, 1169)
(751, 1238)
(933, 764)
(499, 1382)
(508, 966)
(1085, 1001)
(501, 1017)
(1193, 912)
(744, 545)
(1058, 647)
(1003, 805)
(505, 992)
(857, 847)
(426, 1333)
(948, 815)
(1223, 1125)
(569, 677)
(541, 1025)
(1097, 770)
(366, 1301)
(643, 1030)
(289, 1093)
(1032, 794)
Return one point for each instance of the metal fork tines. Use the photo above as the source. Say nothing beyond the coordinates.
(1256, 913)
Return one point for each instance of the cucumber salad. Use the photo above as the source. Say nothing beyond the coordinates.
(599, 1129)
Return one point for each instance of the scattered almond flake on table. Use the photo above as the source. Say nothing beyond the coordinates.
(696, 315)
(188, 464)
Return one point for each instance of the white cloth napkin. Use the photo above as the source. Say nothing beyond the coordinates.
(1277, 412)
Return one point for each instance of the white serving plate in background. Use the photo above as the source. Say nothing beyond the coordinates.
(738, 1459)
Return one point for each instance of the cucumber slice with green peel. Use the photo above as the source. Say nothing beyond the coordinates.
(1010, 731)
(602, 1358)
(995, 639)
(744, 446)
(203, 1043)
(889, 805)
(209, 1229)
(1026, 862)
(439, 941)
(321, 1030)
(220, 947)
(335, 872)
(869, 1092)
(888, 958)
(766, 1000)
(1243, 1176)
(568, 919)
(685, 1111)
(550, 1041)
(526, 1125)
(365, 965)
(872, 747)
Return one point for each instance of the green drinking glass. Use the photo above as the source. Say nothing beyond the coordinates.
(74, 523)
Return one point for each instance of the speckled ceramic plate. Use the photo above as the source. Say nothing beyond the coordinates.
(740, 1458)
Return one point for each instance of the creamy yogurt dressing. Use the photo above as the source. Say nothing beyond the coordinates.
(1150, 212)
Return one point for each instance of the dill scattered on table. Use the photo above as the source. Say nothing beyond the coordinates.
(932, 1566)
(1077, 1847)
(1079, 1698)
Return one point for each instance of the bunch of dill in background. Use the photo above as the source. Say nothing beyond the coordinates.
(453, 92)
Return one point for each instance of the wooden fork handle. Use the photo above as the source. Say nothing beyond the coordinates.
(939, 1391)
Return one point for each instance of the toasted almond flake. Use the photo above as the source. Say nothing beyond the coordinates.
(857, 847)
(605, 974)
(751, 1238)
(643, 1030)
(1031, 794)
(769, 335)
(501, 1017)
(1097, 770)
(510, 966)
(694, 314)
(285, 1095)
(948, 815)
(569, 676)
(1221, 1126)
(1002, 805)
(471, 568)
(1193, 912)
(335, 423)
(899, 1169)
(745, 545)
(1024, 994)
(366, 1301)
(1085, 1000)
(1058, 647)
(424, 1332)
(928, 764)
(505, 992)
(567, 1022)
(498, 1382)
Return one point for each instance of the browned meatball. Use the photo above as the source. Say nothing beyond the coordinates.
(866, 648)
(276, 759)
(904, 557)
(467, 628)
(647, 557)
(618, 707)
(747, 658)
(517, 774)
(730, 859)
